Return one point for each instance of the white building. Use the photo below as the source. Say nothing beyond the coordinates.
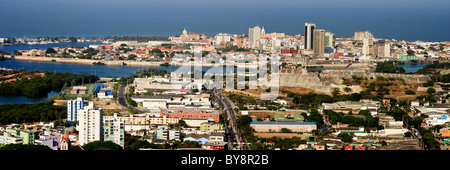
(254, 35)
(73, 109)
(219, 38)
(114, 130)
(90, 125)
(7, 138)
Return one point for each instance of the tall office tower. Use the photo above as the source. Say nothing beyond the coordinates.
(319, 42)
(73, 109)
(309, 35)
(329, 39)
(254, 35)
(90, 126)
(114, 130)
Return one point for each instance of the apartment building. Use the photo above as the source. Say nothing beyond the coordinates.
(114, 130)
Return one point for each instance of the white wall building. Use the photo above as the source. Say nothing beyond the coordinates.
(73, 109)
(90, 124)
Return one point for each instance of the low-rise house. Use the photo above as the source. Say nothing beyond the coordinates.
(50, 140)
(211, 127)
(216, 136)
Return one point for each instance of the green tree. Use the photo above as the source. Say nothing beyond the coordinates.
(348, 89)
(102, 145)
(26, 147)
(50, 51)
(73, 39)
(431, 91)
(285, 130)
(345, 137)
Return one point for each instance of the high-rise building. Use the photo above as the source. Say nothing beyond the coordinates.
(319, 42)
(309, 29)
(329, 39)
(365, 47)
(114, 130)
(90, 126)
(73, 109)
(387, 49)
(254, 36)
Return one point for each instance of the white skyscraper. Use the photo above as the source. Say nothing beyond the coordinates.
(73, 109)
(90, 126)
(114, 130)
(254, 35)
(309, 31)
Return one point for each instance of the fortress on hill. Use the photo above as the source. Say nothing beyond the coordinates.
(327, 80)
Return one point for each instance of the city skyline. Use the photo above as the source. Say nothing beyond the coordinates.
(392, 20)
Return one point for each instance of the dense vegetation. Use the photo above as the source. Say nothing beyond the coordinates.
(102, 145)
(26, 147)
(428, 69)
(24, 113)
(388, 67)
(135, 142)
(148, 72)
(38, 87)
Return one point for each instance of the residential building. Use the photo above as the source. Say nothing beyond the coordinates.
(148, 119)
(50, 140)
(211, 127)
(254, 35)
(114, 130)
(6, 138)
(216, 136)
(28, 137)
(198, 113)
(73, 109)
(90, 126)
(329, 39)
(164, 133)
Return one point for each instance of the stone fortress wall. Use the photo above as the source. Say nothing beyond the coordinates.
(327, 80)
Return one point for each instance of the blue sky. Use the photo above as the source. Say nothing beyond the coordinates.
(399, 19)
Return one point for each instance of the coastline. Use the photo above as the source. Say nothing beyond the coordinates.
(138, 63)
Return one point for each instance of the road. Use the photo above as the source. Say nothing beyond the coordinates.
(234, 134)
(121, 95)
(121, 99)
